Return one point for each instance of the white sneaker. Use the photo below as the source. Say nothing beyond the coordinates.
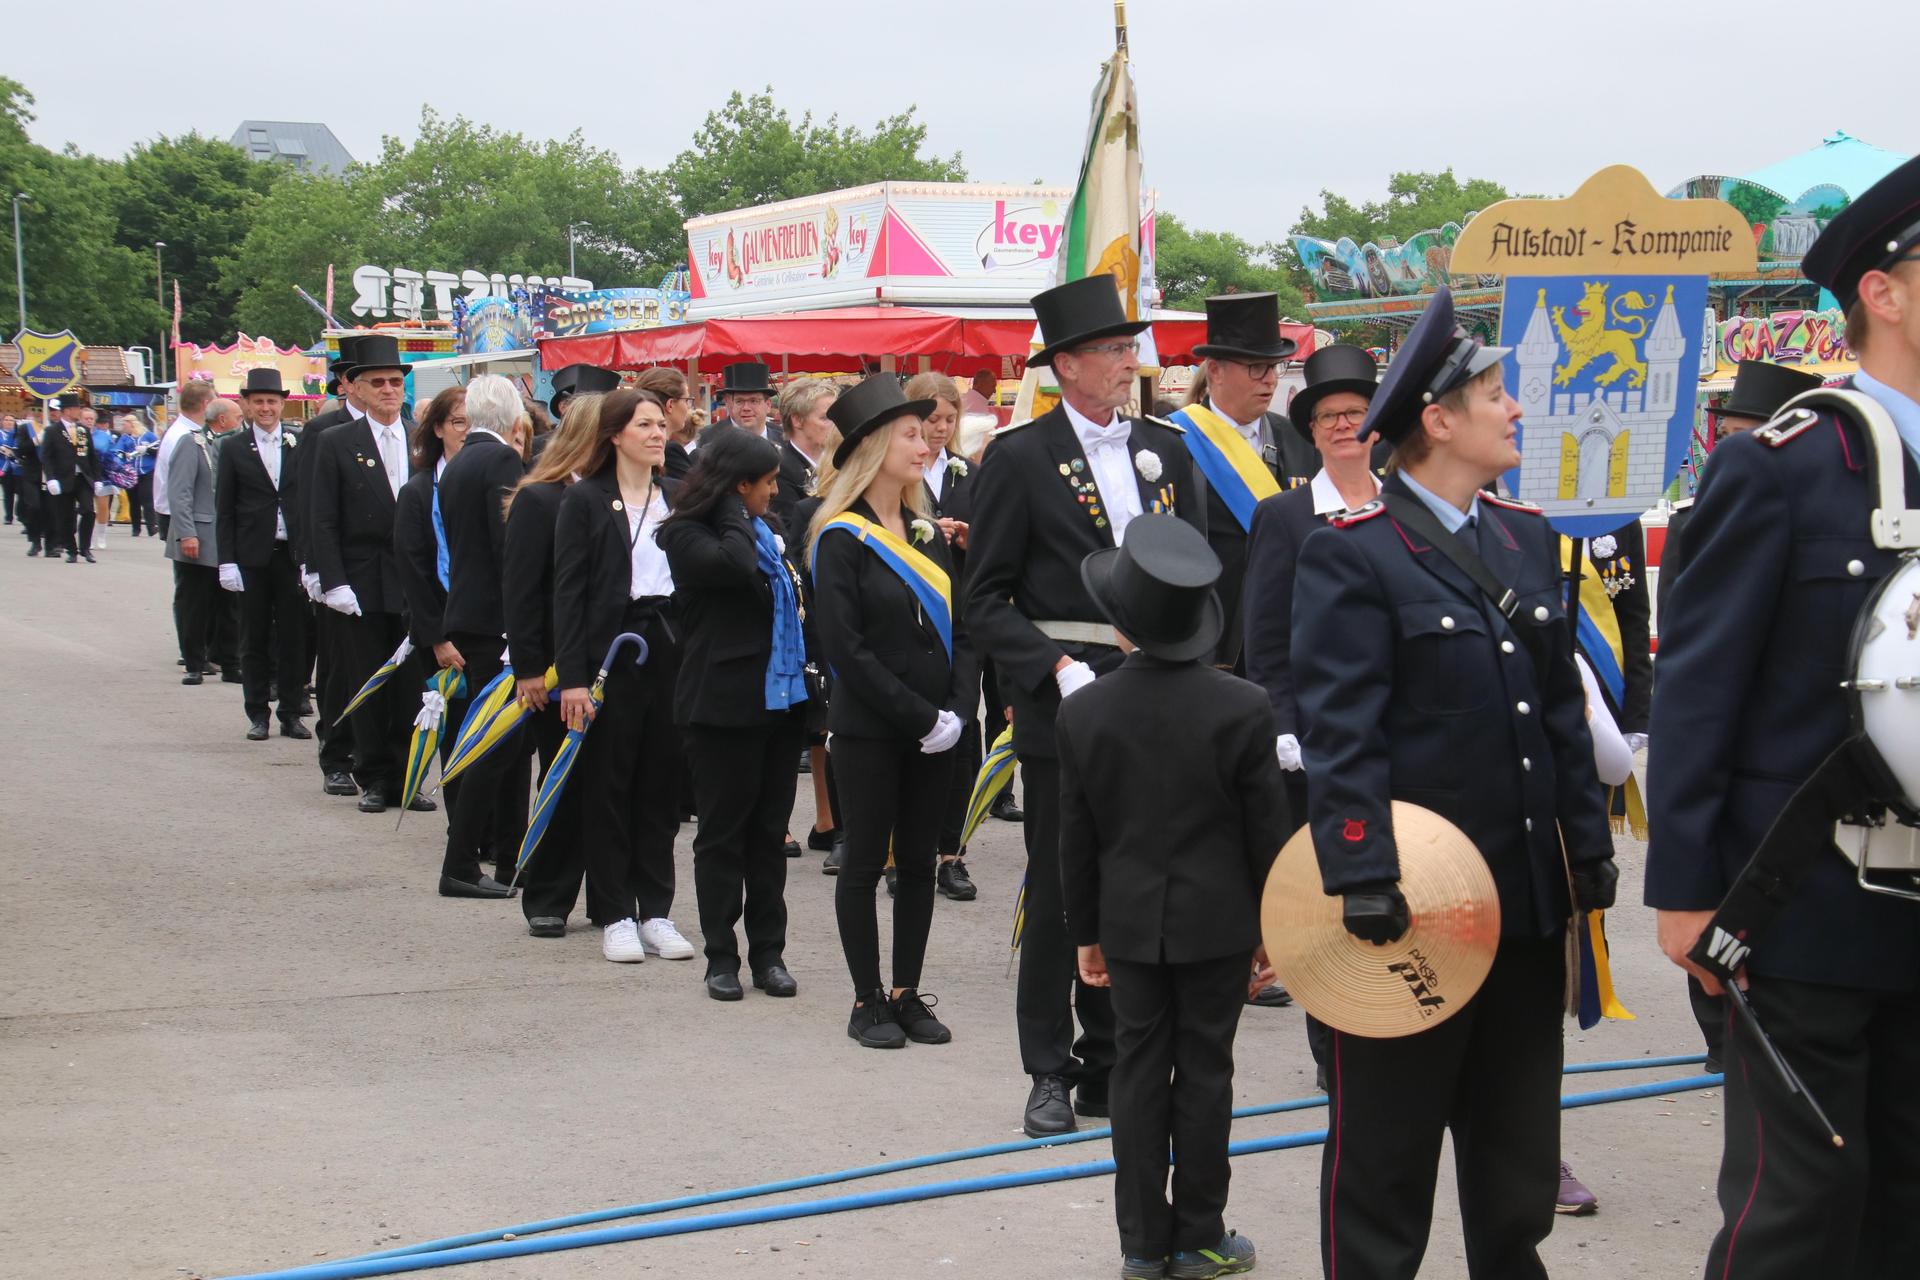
(659, 938)
(620, 943)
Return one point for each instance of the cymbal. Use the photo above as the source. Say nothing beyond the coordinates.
(1406, 986)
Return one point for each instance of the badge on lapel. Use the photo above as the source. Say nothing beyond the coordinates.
(1085, 492)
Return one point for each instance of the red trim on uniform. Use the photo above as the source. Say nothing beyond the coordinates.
(1759, 1163)
(1404, 538)
(1500, 526)
(1846, 453)
(1333, 1179)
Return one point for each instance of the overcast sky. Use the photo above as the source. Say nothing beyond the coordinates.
(1248, 109)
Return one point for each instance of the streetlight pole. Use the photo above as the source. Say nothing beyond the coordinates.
(19, 260)
(570, 269)
(160, 296)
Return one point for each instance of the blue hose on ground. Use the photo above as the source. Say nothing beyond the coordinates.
(496, 1248)
(810, 1181)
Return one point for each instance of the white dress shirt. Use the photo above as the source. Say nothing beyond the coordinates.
(1249, 431)
(162, 464)
(390, 438)
(268, 444)
(651, 577)
(1326, 494)
(1111, 461)
(937, 474)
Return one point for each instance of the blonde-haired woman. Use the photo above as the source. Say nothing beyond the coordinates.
(883, 594)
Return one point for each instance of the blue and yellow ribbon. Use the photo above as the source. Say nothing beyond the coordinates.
(1597, 998)
(927, 580)
(1226, 459)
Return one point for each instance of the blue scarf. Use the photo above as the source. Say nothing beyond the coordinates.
(440, 561)
(786, 685)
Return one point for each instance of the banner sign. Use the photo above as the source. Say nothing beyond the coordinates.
(49, 362)
(1814, 341)
(305, 376)
(411, 295)
(571, 313)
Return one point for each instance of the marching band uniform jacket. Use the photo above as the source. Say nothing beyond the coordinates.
(1024, 557)
(351, 535)
(1411, 686)
(249, 507)
(892, 676)
(1779, 562)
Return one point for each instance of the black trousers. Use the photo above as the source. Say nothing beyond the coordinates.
(485, 821)
(1491, 1075)
(893, 797)
(140, 512)
(331, 692)
(31, 509)
(62, 515)
(196, 598)
(629, 783)
(1050, 990)
(743, 781)
(166, 522)
(272, 634)
(9, 493)
(80, 518)
(966, 766)
(1794, 1205)
(384, 723)
(1174, 1026)
(550, 886)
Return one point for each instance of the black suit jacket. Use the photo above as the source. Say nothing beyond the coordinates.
(527, 577)
(1171, 812)
(352, 507)
(68, 460)
(26, 454)
(472, 490)
(725, 608)
(891, 674)
(1229, 540)
(247, 507)
(1624, 574)
(796, 481)
(1281, 524)
(1412, 687)
(679, 461)
(1673, 556)
(592, 575)
(1753, 647)
(299, 513)
(416, 552)
(1025, 547)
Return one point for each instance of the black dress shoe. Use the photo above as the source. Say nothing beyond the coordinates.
(792, 847)
(192, 677)
(88, 557)
(372, 801)
(485, 887)
(776, 981)
(305, 708)
(229, 675)
(724, 986)
(822, 841)
(1273, 997)
(422, 805)
(72, 558)
(33, 550)
(830, 866)
(1005, 809)
(340, 784)
(257, 731)
(294, 729)
(1088, 1103)
(953, 881)
(1048, 1111)
(547, 927)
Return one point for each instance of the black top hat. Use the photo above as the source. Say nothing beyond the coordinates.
(1436, 357)
(1761, 387)
(1157, 588)
(749, 377)
(867, 407)
(1329, 370)
(1245, 326)
(376, 351)
(261, 382)
(341, 370)
(1880, 227)
(1080, 311)
(580, 380)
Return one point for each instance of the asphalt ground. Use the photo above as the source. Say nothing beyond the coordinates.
(239, 1031)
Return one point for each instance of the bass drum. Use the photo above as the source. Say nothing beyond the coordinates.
(1885, 709)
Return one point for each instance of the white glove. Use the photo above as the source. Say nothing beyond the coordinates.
(945, 732)
(1075, 675)
(1635, 741)
(53, 487)
(1287, 747)
(230, 578)
(342, 600)
(310, 582)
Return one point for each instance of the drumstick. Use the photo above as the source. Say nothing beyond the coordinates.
(1780, 1065)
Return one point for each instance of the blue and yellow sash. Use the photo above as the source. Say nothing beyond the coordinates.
(1226, 459)
(927, 580)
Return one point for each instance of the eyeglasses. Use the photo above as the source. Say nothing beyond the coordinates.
(1129, 348)
(1352, 416)
(1258, 372)
(384, 382)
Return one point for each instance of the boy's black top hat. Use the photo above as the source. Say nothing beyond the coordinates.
(868, 407)
(1879, 228)
(1157, 588)
(749, 377)
(1436, 358)
(1081, 311)
(1245, 326)
(1761, 387)
(1330, 370)
(580, 380)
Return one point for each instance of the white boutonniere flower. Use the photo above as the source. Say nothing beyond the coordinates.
(956, 466)
(1604, 547)
(291, 438)
(1147, 463)
(922, 531)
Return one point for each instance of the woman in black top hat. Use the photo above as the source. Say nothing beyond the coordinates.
(738, 701)
(884, 612)
(609, 577)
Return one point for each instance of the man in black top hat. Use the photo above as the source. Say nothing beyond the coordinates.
(746, 392)
(579, 380)
(1048, 494)
(1781, 556)
(69, 470)
(1171, 812)
(1243, 352)
(255, 486)
(1416, 683)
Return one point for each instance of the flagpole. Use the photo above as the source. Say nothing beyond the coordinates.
(1120, 27)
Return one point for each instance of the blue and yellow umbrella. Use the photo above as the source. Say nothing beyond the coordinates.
(380, 677)
(557, 772)
(996, 771)
(445, 685)
(491, 720)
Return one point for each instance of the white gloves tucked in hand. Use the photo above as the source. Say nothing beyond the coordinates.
(342, 600)
(230, 578)
(315, 593)
(1287, 747)
(1075, 675)
(53, 487)
(945, 732)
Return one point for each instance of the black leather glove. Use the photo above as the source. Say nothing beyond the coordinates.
(1594, 884)
(1376, 913)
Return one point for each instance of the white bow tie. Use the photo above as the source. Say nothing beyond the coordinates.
(1115, 436)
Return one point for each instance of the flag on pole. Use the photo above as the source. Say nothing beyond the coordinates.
(327, 304)
(176, 311)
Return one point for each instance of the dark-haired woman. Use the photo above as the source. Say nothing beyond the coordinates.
(883, 605)
(609, 577)
(739, 701)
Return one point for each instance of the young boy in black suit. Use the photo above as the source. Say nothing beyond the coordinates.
(1172, 809)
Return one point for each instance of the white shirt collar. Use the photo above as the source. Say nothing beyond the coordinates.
(267, 437)
(357, 412)
(378, 425)
(1251, 430)
(810, 459)
(441, 466)
(1083, 426)
(1326, 494)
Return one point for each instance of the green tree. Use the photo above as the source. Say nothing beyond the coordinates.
(1190, 266)
(1415, 202)
(306, 223)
